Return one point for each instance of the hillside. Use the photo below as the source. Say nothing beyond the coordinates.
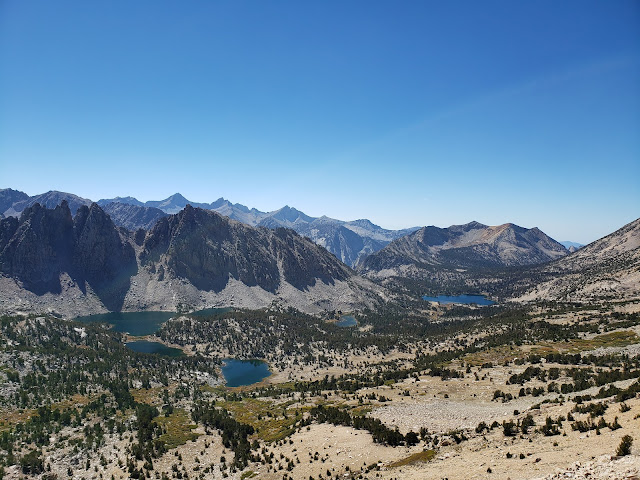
(608, 268)
(467, 246)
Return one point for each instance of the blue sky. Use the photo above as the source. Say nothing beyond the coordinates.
(406, 113)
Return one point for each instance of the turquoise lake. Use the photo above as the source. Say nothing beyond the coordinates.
(133, 323)
(464, 299)
(139, 324)
(347, 321)
(238, 373)
(145, 346)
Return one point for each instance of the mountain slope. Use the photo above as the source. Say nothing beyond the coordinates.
(350, 247)
(467, 247)
(207, 249)
(45, 245)
(349, 241)
(8, 197)
(48, 259)
(607, 269)
(50, 199)
(133, 217)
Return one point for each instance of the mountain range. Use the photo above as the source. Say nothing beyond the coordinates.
(196, 258)
(350, 241)
(469, 246)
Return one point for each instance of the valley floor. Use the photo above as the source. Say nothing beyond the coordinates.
(527, 408)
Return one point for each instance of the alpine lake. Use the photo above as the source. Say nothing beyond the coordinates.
(347, 321)
(460, 299)
(139, 324)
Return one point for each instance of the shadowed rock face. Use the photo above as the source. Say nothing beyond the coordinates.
(38, 247)
(101, 257)
(8, 197)
(208, 249)
(47, 242)
(47, 251)
(350, 241)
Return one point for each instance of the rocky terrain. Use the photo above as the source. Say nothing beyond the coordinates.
(49, 199)
(46, 244)
(350, 241)
(9, 197)
(520, 394)
(608, 268)
(195, 259)
(467, 246)
(546, 387)
(133, 217)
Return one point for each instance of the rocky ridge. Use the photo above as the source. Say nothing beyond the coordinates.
(133, 217)
(196, 258)
(469, 246)
(608, 268)
(50, 199)
(350, 241)
(45, 244)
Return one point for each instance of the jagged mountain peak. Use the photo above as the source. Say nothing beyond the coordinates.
(176, 197)
(172, 204)
(209, 249)
(291, 215)
(473, 225)
(219, 203)
(46, 243)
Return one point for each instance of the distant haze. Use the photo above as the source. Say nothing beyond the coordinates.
(411, 114)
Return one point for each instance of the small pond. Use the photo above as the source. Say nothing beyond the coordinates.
(347, 321)
(238, 373)
(145, 346)
(133, 323)
(464, 299)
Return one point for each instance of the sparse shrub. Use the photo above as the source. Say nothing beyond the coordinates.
(625, 446)
(482, 426)
(509, 428)
(615, 425)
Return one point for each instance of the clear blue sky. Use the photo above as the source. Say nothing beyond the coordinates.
(406, 113)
